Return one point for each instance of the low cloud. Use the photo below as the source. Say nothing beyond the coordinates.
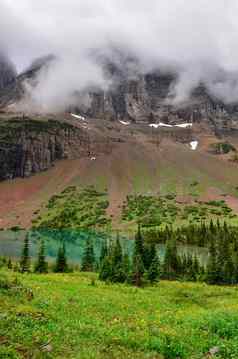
(195, 38)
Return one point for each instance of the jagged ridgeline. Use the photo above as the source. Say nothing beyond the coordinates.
(138, 98)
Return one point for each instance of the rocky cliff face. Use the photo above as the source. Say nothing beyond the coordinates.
(145, 99)
(14, 91)
(28, 146)
(7, 72)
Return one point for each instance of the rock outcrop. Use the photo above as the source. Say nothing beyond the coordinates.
(138, 97)
(28, 146)
(146, 99)
(7, 72)
(14, 91)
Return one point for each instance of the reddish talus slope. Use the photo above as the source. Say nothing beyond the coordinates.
(124, 159)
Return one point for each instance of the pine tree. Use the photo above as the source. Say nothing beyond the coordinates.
(183, 265)
(212, 269)
(117, 254)
(225, 227)
(196, 267)
(212, 227)
(153, 274)
(235, 267)
(105, 272)
(229, 268)
(139, 244)
(126, 265)
(137, 271)
(222, 253)
(118, 274)
(104, 252)
(9, 264)
(61, 260)
(88, 259)
(149, 254)
(171, 265)
(25, 261)
(189, 263)
(41, 264)
(193, 270)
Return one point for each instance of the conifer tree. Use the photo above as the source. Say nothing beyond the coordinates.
(126, 265)
(229, 268)
(149, 254)
(118, 274)
(153, 274)
(235, 276)
(104, 252)
(61, 260)
(25, 261)
(212, 269)
(171, 260)
(196, 266)
(9, 264)
(193, 269)
(88, 259)
(189, 263)
(225, 227)
(137, 270)
(183, 265)
(222, 253)
(117, 254)
(41, 264)
(139, 244)
(105, 272)
(212, 227)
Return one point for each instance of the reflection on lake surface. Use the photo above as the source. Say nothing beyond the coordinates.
(11, 244)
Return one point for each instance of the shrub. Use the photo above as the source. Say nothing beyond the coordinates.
(222, 148)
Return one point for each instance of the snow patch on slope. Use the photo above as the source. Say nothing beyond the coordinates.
(160, 124)
(194, 145)
(79, 117)
(184, 125)
(124, 122)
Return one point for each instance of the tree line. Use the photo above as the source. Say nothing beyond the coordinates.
(114, 264)
(200, 235)
(144, 265)
(41, 265)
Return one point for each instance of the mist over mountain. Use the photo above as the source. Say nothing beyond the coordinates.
(7, 72)
(193, 39)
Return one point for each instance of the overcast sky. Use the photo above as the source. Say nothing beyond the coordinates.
(197, 37)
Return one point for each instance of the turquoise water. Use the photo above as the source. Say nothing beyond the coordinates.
(11, 244)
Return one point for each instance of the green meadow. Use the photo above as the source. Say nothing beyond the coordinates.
(76, 316)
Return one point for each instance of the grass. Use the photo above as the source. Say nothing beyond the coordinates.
(68, 317)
